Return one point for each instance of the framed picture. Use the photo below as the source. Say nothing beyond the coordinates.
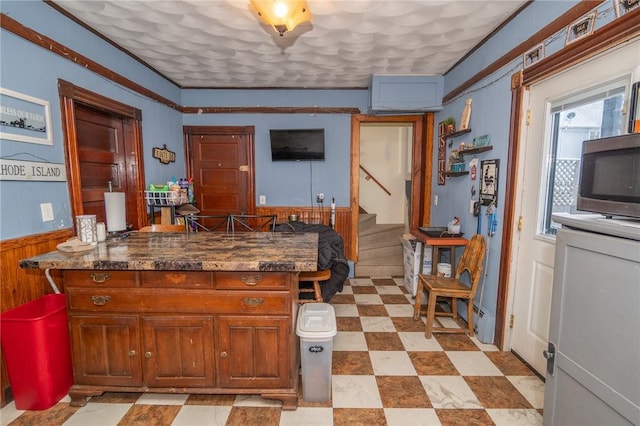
(489, 182)
(624, 6)
(533, 55)
(581, 28)
(24, 118)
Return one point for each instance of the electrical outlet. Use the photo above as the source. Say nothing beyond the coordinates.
(46, 209)
(320, 198)
(263, 200)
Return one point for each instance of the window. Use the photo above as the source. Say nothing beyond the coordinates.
(589, 115)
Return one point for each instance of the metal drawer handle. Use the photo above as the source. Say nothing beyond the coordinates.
(251, 279)
(100, 300)
(100, 278)
(253, 301)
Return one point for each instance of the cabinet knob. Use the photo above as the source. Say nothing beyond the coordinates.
(224, 354)
(100, 300)
(147, 355)
(132, 353)
(251, 279)
(100, 277)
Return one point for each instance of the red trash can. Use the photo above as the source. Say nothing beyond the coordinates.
(36, 349)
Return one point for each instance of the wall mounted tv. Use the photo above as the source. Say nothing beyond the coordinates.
(297, 144)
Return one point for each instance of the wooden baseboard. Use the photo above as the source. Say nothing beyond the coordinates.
(317, 215)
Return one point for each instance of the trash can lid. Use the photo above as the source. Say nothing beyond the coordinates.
(316, 320)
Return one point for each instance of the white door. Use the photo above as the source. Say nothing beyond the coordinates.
(582, 90)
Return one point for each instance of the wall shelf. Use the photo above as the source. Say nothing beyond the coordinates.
(453, 174)
(476, 150)
(457, 133)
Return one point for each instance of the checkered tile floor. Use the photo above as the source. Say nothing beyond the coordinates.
(384, 373)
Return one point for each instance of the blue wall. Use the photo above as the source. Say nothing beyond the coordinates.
(36, 74)
(274, 179)
(490, 115)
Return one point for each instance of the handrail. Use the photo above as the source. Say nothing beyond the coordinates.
(368, 176)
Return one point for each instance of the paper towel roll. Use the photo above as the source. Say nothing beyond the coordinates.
(114, 205)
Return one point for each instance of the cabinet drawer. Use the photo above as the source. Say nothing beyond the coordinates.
(101, 278)
(183, 279)
(178, 301)
(252, 280)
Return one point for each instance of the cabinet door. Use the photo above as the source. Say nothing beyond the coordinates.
(178, 351)
(105, 350)
(254, 352)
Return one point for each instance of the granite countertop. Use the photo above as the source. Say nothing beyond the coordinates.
(197, 251)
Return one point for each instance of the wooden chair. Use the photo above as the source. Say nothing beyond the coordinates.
(163, 228)
(453, 288)
(315, 277)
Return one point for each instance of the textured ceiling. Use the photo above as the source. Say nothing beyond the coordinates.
(222, 43)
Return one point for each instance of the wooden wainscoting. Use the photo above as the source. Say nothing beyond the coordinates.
(19, 286)
(315, 215)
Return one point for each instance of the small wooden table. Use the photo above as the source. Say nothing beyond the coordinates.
(437, 244)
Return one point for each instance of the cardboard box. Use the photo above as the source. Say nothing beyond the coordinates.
(412, 251)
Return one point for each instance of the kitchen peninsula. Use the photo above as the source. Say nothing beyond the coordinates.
(199, 313)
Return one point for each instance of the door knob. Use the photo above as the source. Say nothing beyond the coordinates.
(224, 354)
(550, 356)
(147, 355)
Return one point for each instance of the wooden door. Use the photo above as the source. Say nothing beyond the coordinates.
(254, 352)
(103, 142)
(220, 159)
(105, 350)
(178, 351)
(101, 158)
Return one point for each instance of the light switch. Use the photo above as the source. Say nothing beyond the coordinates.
(47, 212)
(263, 200)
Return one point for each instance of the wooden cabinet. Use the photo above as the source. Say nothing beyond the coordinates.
(177, 351)
(105, 350)
(183, 331)
(254, 352)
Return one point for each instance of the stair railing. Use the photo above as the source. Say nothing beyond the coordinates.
(369, 176)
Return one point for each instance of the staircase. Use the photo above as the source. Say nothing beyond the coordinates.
(379, 248)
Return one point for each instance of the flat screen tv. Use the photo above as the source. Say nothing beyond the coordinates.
(297, 144)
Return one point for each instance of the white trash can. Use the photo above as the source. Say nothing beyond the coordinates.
(316, 328)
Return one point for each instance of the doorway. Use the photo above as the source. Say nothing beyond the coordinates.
(421, 160)
(561, 107)
(385, 171)
(103, 147)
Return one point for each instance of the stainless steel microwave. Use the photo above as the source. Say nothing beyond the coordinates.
(610, 176)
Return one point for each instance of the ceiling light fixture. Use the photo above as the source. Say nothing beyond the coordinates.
(282, 15)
